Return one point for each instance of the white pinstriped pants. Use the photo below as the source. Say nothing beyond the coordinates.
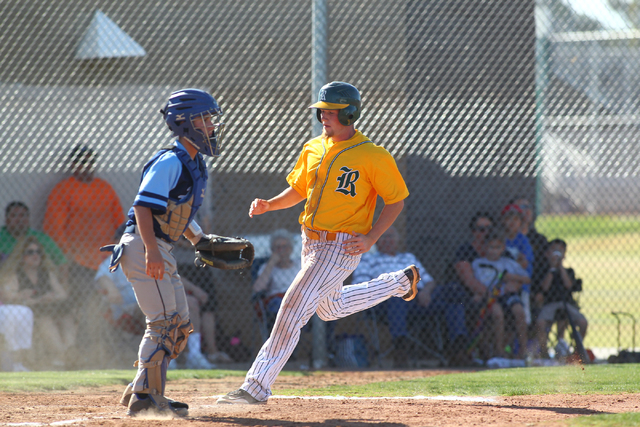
(317, 289)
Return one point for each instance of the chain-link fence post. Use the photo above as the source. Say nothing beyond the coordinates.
(318, 79)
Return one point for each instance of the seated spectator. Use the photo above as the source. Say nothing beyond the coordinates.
(557, 284)
(275, 275)
(389, 258)
(538, 244)
(274, 278)
(518, 245)
(28, 278)
(519, 248)
(202, 281)
(16, 331)
(466, 293)
(537, 240)
(196, 300)
(503, 278)
(17, 224)
(124, 310)
(481, 223)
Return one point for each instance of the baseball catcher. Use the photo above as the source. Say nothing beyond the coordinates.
(172, 189)
(225, 253)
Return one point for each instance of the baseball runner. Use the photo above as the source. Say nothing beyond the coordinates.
(339, 174)
(172, 189)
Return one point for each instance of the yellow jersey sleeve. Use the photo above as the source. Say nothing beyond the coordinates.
(386, 178)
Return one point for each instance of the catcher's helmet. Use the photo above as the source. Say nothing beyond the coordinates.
(339, 96)
(183, 107)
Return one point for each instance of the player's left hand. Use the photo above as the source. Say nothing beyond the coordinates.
(154, 264)
(358, 244)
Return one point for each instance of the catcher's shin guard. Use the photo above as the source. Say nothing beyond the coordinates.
(170, 334)
(183, 331)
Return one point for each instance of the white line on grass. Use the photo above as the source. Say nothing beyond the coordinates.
(447, 398)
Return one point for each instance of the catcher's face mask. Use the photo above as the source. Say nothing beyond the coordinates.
(208, 130)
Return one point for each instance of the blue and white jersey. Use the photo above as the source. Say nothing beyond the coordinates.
(171, 178)
(161, 178)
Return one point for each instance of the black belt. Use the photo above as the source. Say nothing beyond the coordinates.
(132, 229)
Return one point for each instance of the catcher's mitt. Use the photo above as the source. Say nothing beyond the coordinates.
(225, 253)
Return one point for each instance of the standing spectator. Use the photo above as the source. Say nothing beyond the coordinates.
(17, 224)
(82, 213)
(388, 258)
(29, 278)
(502, 277)
(557, 284)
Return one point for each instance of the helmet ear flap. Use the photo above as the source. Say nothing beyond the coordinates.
(348, 115)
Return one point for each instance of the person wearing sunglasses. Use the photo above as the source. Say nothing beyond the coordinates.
(464, 289)
(29, 278)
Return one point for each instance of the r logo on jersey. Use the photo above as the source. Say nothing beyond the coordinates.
(347, 181)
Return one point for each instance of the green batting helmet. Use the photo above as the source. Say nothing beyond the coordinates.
(339, 96)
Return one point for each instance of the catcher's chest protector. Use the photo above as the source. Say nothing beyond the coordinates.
(181, 210)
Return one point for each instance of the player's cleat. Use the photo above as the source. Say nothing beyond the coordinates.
(240, 397)
(141, 404)
(413, 275)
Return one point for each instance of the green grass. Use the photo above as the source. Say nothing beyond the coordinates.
(605, 252)
(607, 420)
(604, 379)
(69, 380)
(571, 226)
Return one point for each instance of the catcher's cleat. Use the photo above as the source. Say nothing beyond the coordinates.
(413, 275)
(240, 397)
(149, 404)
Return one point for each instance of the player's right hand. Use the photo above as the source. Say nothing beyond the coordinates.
(155, 264)
(258, 207)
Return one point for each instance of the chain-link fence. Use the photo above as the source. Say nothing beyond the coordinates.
(483, 104)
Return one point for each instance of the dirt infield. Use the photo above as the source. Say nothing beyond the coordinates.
(93, 407)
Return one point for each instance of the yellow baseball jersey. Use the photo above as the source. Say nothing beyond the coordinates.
(341, 181)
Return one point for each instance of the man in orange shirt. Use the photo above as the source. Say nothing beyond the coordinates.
(82, 213)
